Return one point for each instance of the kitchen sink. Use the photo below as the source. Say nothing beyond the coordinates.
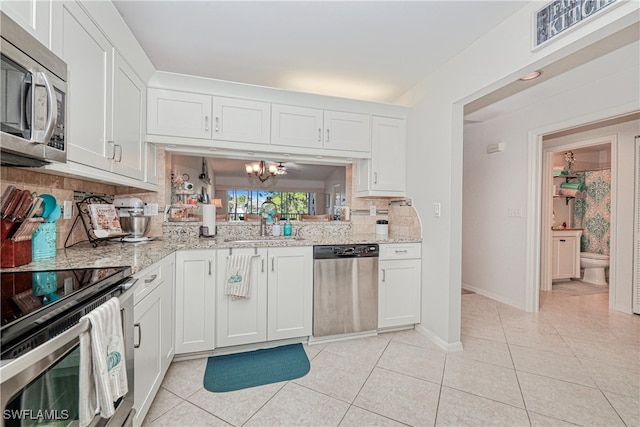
(260, 239)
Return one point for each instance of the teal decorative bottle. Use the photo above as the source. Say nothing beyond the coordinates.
(287, 228)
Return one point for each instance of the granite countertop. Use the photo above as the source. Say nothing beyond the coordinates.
(140, 255)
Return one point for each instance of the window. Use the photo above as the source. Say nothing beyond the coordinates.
(290, 204)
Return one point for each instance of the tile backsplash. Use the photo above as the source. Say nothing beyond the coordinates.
(403, 220)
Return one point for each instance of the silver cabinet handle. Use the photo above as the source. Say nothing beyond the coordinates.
(137, 325)
(384, 275)
(119, 147)
(319, 134)
(262, 263)
(273, 263)
(151, 279)
(327, 134)
(217, 122)
(210, 266)
(206, 123)
(113, 156)
(375, 177)
(404, 251)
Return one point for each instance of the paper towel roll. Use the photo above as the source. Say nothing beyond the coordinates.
(209, 219)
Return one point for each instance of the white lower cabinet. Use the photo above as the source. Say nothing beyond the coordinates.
(399, 285)
(280, 301)
(195, 300)
(565, 250)
(153, 332)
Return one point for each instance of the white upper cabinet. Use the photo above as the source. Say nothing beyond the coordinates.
(89, 58)
(129, 115)
(313, 128)
(179, 114)
(32, 15)
(384, 173)
(296, 126)
(192, 115)
(346, 131)
(241, 120)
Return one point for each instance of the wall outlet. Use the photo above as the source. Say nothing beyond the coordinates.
(67, 209)
(372, 210)
(151, 209)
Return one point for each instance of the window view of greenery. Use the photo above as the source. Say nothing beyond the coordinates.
(289, 204)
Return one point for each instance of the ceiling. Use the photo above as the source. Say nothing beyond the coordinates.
(370, 50)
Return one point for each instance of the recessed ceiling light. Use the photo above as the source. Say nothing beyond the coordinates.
(532, 75)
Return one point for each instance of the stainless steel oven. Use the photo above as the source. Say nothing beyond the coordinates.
(39, 371)
(33, 86)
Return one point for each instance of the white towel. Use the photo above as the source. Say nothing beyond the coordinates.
(103, 373)
(238, 283)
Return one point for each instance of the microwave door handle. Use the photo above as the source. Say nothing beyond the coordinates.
(52, 113)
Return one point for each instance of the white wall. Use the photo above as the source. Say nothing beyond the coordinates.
(435, 141)
(494, 254)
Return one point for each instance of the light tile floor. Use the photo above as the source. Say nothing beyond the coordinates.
(573, 363)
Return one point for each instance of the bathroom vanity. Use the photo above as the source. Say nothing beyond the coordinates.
(565, 251)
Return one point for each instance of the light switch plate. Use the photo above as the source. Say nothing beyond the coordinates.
(372, 210)
(67, 210)
(437, 210)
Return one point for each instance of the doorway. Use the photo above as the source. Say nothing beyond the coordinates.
(580, 197)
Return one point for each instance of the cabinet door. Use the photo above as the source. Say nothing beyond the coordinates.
(32, 15)
(399, 293)
(167, 325)
(241, 120)
(89, 58)
(195, 300)
(296, 126)
(290, 292)
(242, 321)
(153, 164)
(565, 253)
(179, 114)
(148, 352)
(129, 114)
(388, 155)
(347, 131)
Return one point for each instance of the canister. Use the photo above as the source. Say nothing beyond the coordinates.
(43, 241)
(382, 227)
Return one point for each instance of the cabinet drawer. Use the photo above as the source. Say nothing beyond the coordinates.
(400, 251)
(148, 279)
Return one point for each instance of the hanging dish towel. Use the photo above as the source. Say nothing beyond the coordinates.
(103, 374)
(238, 283)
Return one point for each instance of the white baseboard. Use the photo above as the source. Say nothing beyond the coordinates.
(493, 296)
(448, 347)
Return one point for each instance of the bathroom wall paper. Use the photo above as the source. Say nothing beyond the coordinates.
(593, 213)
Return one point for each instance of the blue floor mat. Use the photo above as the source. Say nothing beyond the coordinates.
(253, 368)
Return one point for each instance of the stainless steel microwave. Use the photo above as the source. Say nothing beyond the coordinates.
(33, 86)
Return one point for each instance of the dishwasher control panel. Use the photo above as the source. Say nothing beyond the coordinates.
(346, 251)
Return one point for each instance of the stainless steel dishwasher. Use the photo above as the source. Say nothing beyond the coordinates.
(345, 289)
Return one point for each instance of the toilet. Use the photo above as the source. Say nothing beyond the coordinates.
(594, 265)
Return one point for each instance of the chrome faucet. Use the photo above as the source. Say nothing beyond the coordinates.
(264, 214)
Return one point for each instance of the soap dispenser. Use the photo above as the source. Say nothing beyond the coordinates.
(275, 231)
(287, 228)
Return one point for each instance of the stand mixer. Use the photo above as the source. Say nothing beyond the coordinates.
(132, 219)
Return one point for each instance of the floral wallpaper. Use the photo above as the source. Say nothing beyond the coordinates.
(593, 213)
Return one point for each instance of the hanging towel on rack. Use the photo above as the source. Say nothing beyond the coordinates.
(238, 283)
(103, 373)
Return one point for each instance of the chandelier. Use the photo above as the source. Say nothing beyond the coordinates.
(261, 171)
